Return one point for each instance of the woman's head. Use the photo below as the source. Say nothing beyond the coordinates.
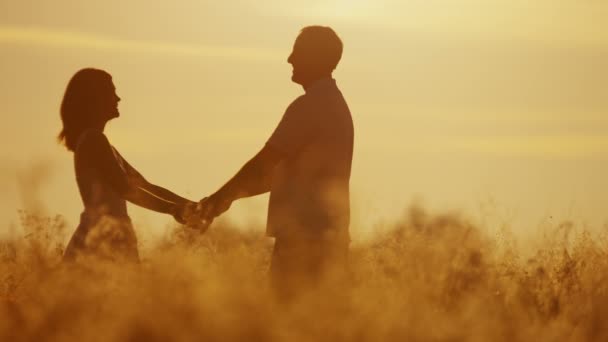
(90, 100)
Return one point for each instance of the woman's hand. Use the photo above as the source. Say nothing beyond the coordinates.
(185, 212)
(189, 214)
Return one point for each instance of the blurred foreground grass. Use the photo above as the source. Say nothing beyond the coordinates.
(431, 278)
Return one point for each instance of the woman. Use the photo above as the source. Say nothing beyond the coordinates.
(105, 179)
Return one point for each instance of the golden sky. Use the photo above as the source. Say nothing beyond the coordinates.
(497, 106)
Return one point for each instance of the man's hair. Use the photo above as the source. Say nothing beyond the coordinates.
(325, 42)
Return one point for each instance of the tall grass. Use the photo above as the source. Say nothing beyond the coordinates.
(430, 278)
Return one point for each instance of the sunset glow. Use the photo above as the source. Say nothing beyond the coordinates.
(447, 181)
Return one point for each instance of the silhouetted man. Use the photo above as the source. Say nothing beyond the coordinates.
(306, 166)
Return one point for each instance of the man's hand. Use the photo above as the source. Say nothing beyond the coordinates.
(254, 178)
(213, 206)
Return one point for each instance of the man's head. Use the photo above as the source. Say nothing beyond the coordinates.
(315, 54)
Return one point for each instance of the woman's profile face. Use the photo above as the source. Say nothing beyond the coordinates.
(109, 102)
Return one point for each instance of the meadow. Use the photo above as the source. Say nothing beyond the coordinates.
(430, 277)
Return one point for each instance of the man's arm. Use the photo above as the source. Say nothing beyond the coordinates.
(299, 125)
(254, 178)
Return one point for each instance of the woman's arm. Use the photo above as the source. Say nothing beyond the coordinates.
(114, 172)
(142, 198)
(136, 178)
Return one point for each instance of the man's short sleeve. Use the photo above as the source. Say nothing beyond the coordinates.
(299, 126)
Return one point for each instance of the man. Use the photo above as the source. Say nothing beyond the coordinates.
(306, 166)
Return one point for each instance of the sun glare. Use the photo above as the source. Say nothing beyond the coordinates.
(331, 9)
(349, 8)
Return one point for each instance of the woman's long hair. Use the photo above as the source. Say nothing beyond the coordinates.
(81, 105)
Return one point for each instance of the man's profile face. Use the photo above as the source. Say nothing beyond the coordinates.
(303, 61)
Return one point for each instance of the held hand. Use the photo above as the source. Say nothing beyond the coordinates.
(213, 206)
(185, 212)
(189, 215)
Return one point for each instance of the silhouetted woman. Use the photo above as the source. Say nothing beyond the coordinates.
(105, 179)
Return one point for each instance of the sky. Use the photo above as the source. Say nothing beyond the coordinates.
(497, 109)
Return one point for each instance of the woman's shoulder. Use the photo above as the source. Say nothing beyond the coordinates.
(92, 140)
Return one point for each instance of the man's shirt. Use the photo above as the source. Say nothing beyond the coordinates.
(310, 186)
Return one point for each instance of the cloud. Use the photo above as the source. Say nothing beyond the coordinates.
(567, 23)
(551, 147)
(69, 39)
(538, 147)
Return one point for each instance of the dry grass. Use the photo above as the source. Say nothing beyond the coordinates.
(432, 278)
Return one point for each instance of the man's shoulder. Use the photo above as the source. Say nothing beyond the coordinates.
(298, 103)
(299, 100)
(317, 100)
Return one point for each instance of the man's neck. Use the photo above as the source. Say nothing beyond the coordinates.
(308, 84)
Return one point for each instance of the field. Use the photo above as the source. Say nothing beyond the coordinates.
(431, 277)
